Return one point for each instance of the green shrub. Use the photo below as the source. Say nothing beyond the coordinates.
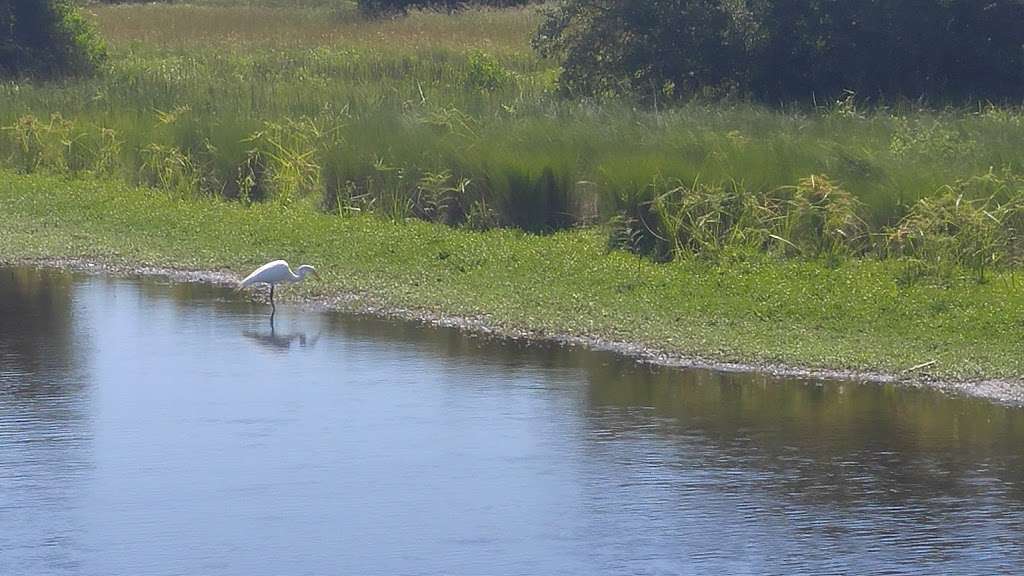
(784, 50)
(484, 72)
(937, 49)
(646, 47)
(46, 38)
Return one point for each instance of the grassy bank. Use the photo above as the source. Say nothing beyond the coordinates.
(855, 315)
(454, 119)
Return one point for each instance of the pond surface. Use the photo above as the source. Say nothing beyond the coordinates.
(149, 428)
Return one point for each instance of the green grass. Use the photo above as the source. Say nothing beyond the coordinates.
(854, 315)
(392, 104)
(231, 24)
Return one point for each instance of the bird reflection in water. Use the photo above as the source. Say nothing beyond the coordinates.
(281, 341)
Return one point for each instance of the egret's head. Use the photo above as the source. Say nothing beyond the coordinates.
(306, 270)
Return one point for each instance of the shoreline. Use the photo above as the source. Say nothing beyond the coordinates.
(1000, 391)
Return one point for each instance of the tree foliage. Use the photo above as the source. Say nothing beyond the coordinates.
(641, 46)
(790, 49)
(46, 38)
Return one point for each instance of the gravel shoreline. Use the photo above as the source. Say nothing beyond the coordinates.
(1007, 392)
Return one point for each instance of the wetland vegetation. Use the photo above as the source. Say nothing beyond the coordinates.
(848, 233)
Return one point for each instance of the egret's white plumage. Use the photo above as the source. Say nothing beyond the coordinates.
(276, 272)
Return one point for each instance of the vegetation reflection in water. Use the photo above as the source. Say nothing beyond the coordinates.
(828, 422)
(848, 416)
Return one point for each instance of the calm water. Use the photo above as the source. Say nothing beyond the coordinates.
(157, 429)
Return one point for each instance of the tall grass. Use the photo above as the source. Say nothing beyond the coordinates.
(453, 119)
(228, 24)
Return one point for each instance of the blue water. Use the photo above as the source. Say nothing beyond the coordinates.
(148, 428)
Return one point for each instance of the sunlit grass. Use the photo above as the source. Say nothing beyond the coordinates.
(226, 25)
(454, 119)
(852, 315)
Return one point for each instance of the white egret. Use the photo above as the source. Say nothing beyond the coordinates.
(273, 273)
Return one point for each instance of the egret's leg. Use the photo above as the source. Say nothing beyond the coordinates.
(272, 306)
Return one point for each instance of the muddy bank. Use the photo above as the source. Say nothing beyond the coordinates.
(1009, 392)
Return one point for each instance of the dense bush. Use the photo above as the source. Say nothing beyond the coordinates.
(46, 38)
(944, 49)
(790, 49)
(643, 47)
(377, 7)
